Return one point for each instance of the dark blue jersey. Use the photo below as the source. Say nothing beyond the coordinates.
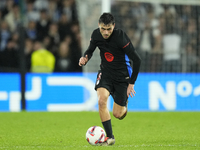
(116, 53)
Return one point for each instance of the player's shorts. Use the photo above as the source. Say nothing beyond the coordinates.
(118, 90)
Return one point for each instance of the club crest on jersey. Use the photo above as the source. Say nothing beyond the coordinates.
(109, 57)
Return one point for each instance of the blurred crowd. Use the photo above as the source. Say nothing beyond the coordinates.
(166, 36)
(51, 35)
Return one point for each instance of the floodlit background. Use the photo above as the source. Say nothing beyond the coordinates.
(41, 42)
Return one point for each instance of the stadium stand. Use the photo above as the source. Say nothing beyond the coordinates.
(165, 35)
(52, 22)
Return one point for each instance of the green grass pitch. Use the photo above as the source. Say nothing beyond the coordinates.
(66, 130)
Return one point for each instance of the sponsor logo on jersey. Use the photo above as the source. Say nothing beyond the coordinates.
(109, 57)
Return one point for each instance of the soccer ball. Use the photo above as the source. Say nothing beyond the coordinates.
(95, 135)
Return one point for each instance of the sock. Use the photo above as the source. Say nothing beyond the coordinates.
(108, 128)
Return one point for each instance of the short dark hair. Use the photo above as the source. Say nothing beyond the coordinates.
(107, 18)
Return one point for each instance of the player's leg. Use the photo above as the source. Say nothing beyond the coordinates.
(103, 95)
(119, 111)
(120, 100)
(103, 87)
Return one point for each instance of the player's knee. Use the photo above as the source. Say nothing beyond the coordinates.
(116, 115)
(102, 102)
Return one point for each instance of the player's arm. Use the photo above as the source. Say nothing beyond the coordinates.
(130, 90)
(130, 51)
(88, 53)
(133, 55)
(83, 60)
(136, 66)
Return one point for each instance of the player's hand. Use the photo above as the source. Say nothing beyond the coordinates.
(130, 90)
(83, 60)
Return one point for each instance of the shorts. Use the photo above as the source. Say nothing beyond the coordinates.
(118, 90)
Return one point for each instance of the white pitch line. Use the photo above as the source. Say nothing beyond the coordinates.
(143, 145)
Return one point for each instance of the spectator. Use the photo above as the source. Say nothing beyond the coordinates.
(68, 40)
(139, 14)
(156, 42)
(31, 14)
(54, 37)
(13, 18)
(5, 35)
(28, 46)
(171, 49)
(15, 38)
(28, 51)
(125, 10)
(191, 32)
(53, 11)
(67, 9)
(156, 54)
(145, 47)
(7, 6)
(47, 43)
(76, 44)
(41, 5)
(75, 52)
(41, 59)
(2, 4)
(9, 58)
(186, 13)
(76, 33)
(42, 25)
(31, 31)
(158, 9)
(192, 59)
(64, 27)
(64, 62)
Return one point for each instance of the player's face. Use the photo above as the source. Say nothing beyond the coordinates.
(106, 30)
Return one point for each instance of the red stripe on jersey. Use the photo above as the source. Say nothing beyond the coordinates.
(126, 44)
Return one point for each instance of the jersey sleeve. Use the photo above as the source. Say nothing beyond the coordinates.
(130, 51)
(91, 47)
